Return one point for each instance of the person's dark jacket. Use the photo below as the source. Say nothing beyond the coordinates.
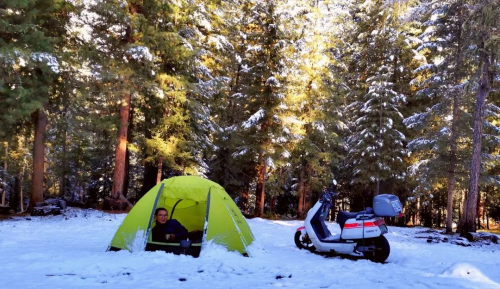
(170, 227)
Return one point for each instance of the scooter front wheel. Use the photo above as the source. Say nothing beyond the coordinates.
(382, 250)
(303, 242)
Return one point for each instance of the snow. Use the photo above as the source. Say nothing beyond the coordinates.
(69, 251)
(48, 58)
(254, 119)
(140, 53)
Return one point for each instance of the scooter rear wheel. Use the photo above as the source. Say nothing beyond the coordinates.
(303, 242)
(382, 250)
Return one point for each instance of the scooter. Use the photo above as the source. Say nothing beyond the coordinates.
(362, 233)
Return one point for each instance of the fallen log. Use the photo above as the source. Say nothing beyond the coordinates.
(482, 236)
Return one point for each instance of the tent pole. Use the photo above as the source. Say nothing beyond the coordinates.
(148, 231)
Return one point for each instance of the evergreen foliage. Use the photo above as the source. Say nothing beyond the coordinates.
(271, 99)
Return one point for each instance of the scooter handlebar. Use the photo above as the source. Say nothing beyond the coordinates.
(328, 196)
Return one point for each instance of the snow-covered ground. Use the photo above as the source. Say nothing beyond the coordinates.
(69, 251)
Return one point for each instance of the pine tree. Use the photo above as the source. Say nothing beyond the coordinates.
(263, 90)
(445, 88)
(226, 54)
(32, 35)
(482, 32)
(377, 141)
(442, 84)
(311, 117)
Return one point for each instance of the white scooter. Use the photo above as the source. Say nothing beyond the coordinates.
(361, 232)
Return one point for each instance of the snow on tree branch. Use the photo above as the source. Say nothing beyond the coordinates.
(220, 43)
(47, 58)
(254, 119)
(139, 53)
(272, 81)
(419, 143)
(430, 67)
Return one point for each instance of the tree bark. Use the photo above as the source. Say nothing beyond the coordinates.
(40, 121)
(453, 137)
(121, 149)
(130, 139)
(478, 210)
(468, 220)
(4, 174)
(452, 166)
(273, 204)
(21, 178)
(417, 213)
(261, 187)
(150, 176)
(160, 169)
(486, 205)
(300, 206)
(307, 196)
(62, 178)
(15, 200)
(245, 194)
(150, 168)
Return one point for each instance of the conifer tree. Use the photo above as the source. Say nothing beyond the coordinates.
(229, 164)
(32, 35)
(441, 80)
(376, 146)
(263, 89)
(311, 117)
(481, 27)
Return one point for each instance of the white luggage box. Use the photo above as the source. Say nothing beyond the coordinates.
(387, 205)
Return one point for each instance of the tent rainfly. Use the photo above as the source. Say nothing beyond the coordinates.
(198, 204)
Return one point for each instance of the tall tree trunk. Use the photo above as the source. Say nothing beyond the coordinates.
(273, 204)
(245, 194)
(486, 205)
(453, 137)
(21, 178)
(478, 211)
(40, 121)
(417, 213)
(126, 178)
(260, 193)
(300, 207)
(452, 166)
(160, 169)
(307, 196)
(62, 177)
(3, 186)
(468, 221)
(14, 204)
(121, 149)
(150, 168)
(130, 139)
(150, 177)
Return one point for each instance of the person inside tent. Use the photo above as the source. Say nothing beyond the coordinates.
(167, 230)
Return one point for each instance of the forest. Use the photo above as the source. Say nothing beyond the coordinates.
(272, 99)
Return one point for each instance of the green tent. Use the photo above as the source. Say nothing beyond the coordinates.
(198, 204)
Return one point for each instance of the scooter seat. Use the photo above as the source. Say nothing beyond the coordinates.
(343, 216)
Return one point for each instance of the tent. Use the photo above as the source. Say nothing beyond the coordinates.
(198, 204)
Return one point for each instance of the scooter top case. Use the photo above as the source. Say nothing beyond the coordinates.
(387, 205)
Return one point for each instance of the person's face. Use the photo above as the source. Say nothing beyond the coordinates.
(161, 217)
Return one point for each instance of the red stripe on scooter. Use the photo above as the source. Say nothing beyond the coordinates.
(351, 226)
(359, 225)
(301, 228)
